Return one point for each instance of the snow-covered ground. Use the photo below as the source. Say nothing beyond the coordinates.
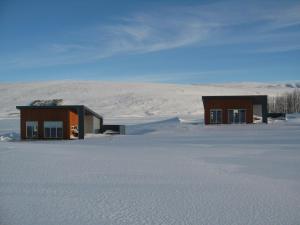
(167, 172)
(169, 169)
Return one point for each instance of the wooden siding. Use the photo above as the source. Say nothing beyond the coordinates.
(42, 115)
(226, 104)
(73, 120)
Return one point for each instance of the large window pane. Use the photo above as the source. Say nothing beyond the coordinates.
(219, 116)
(59, 124)
(53, 132)
(230, 116)
(237, 116)
(53, 129)
(31, 129)
(215, 116)
(59, 132)
(47, 132)
(243, 116)
(35, 131)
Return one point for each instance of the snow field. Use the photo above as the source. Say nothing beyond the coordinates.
(169, 169)
(175, 173)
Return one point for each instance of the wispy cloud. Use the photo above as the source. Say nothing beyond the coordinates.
(220, 23)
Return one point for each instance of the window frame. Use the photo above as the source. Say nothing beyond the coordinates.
(239, 109)
(36, 124)
(56, 127)
(217, 110)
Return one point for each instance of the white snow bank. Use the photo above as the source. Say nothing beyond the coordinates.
(9, 137)
(48, 102)
(295, 117)
(151, 127)
(9, 130)
(291, 119)
(192, 120)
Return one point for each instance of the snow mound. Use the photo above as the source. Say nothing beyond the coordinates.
(152, 127)
(9, 137)
(51, 102)
(293, 118)
(189, 120)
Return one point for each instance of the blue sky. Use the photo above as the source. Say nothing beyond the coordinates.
(150, 41)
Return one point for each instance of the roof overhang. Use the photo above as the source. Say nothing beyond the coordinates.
(70, 107)
(256, 99)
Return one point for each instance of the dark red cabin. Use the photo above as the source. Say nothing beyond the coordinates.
(235, 109)
(58, 122)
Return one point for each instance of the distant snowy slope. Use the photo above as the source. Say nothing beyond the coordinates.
(126, 99)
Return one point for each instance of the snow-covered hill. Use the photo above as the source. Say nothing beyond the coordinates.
(127, 99)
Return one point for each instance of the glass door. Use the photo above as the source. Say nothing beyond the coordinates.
(236, 116)
(53, 129)
(215, 116)
(31, 129)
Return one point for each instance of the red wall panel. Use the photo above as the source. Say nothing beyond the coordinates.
(226, 104)
(42, 115)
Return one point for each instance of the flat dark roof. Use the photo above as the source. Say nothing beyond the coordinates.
(73, 107)
(255, 98)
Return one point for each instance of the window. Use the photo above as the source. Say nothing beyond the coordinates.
(53, 129)
(31, 129)
(236, 116)
(215, 116)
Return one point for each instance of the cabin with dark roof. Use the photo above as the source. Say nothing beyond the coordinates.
(58, 121)
(235, 109)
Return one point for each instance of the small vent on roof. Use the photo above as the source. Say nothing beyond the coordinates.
(51, 102)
